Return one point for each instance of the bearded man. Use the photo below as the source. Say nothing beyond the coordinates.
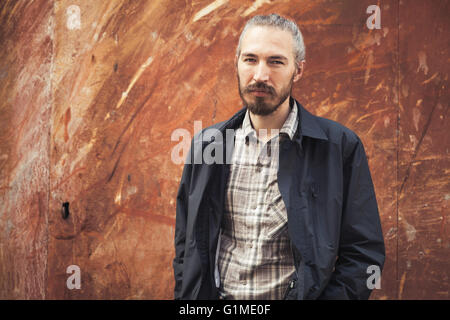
(292, 214)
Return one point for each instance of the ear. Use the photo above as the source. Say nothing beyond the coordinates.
(299, 70)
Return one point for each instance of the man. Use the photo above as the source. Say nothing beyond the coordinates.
(292, 213)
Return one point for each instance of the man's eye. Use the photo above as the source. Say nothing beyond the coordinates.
(249, 60)
(277, 62)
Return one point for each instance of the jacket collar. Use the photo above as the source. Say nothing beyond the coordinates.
(308, 125)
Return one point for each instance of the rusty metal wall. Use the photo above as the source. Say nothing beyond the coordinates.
(91, 91)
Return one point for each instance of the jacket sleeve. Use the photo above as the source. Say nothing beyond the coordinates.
(180, 224)
(361, 239)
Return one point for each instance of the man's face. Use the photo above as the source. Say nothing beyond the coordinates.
(266, 69)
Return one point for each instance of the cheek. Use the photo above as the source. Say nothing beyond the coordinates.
(281, 80)
(245, 74)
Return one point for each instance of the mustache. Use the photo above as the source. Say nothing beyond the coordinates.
(260, 86)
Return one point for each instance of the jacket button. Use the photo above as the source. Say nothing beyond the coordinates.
(314, 190)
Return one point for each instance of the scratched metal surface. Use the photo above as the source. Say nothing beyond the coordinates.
(423, 152)
(88, 105)
(26, 50)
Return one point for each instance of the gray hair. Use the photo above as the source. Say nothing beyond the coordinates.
(277, 21)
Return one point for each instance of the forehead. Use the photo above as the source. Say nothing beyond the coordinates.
(267, 41)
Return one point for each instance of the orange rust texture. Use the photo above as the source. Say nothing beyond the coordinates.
(423, 152)
(87, 111)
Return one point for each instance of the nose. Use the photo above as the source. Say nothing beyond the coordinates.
(261, 73)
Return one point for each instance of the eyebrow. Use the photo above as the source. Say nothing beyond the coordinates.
(277, 57)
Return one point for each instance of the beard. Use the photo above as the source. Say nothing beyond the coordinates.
(268, 104)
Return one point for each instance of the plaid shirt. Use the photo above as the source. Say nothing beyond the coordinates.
(255, 258)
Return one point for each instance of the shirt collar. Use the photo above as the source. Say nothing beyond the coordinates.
(289, 127)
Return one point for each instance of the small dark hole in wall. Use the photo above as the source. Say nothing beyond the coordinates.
(65, 210)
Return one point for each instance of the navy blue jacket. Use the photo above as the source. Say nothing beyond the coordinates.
(333, 218)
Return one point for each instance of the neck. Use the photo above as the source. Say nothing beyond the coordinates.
(275, 120)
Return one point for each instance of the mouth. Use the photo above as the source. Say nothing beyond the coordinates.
(260, 93)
